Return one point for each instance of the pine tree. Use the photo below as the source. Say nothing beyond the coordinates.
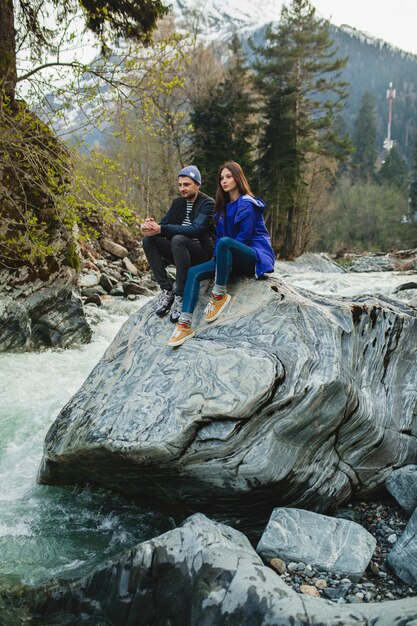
(394, 171)
(299, 78)
(412, 190)
(364, 140)
(223, 125)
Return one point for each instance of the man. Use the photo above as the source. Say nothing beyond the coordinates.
(182, 238)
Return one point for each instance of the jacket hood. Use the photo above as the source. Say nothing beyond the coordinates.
(260, 204)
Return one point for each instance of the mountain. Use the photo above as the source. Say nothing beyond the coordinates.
(372, 63)
(218, 20)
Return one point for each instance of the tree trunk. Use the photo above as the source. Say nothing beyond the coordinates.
(7, 51)
(288, 247)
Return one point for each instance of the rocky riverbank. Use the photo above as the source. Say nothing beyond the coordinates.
(207, 573)
(386, 521)
(45, 309)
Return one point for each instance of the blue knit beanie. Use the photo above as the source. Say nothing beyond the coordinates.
(192, 172)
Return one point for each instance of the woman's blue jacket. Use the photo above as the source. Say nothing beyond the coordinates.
(243, 220)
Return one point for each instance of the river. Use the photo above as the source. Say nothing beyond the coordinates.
(49, 532)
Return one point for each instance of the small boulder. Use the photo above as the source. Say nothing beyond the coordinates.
(331, 544)
(90, 279)
(129, 266)
(107, 282)
(402, 485)
(114, 248)
(403, 556)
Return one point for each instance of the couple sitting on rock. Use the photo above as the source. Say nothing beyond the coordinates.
(242, 245)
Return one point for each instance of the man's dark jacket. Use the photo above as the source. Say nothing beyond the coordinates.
(201, 218)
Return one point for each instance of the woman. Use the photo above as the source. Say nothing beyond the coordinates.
(242, 246)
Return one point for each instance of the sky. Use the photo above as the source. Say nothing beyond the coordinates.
(394, 21)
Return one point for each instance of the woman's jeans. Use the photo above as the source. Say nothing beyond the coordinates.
(232, 256)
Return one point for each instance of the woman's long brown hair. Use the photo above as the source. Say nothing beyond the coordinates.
(222, 197)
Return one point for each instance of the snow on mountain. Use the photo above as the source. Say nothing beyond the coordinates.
(220, 18)
(368, 39)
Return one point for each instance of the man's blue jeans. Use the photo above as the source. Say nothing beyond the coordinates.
(232, 257)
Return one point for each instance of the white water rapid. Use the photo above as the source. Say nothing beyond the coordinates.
(49, 532)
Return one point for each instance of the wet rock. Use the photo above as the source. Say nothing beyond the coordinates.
(406, 286)
(331, 544)
(89, 280)
(93, 299)
(93, 291)
(372, 263)
(310, 590)
(43, 314)
(321, 583)
(117, 291)
(335, 593)
(136, 289)
(107, 282)
(278, 565)
(347, 513)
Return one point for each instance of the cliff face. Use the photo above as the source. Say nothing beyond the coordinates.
(40, 303)
(289, 398)
(41, 313)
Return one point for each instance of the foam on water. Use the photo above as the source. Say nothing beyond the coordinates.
(351, 284)
(48, 531)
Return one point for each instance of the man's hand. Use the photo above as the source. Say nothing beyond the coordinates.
(150, 227)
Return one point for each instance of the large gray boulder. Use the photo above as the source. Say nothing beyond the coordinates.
(203, 573)
(290, 398)
(37, 313)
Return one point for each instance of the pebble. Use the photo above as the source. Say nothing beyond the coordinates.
(321, 583)
(310, 590)
(353, 599)
(278, 565)
(333, 593)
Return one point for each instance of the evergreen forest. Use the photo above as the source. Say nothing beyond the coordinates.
(91, 148)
